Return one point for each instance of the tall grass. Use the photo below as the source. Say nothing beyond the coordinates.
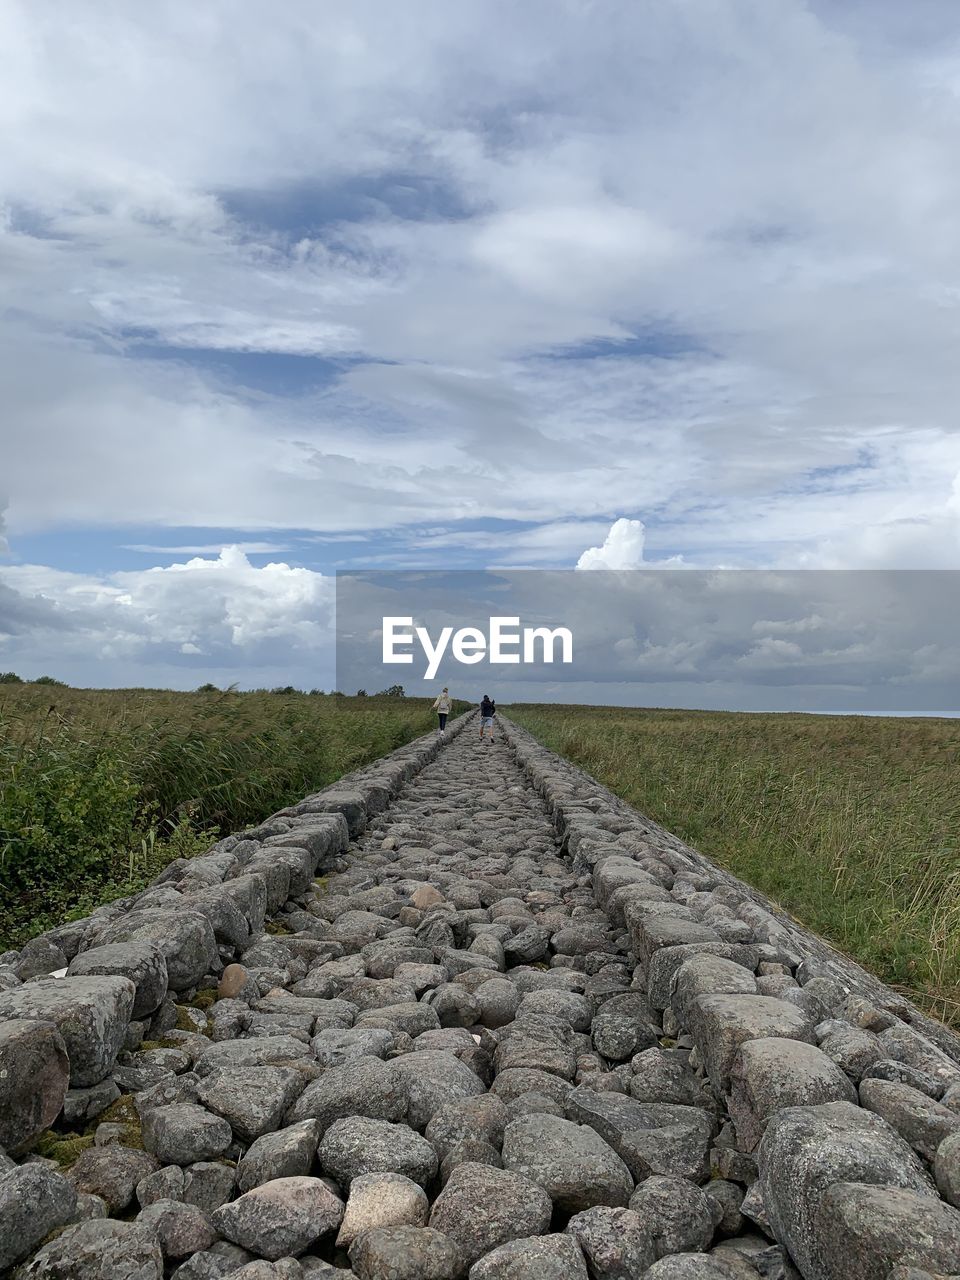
(852, 824)
(99, 789)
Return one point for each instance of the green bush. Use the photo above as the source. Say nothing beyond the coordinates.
(100, 792)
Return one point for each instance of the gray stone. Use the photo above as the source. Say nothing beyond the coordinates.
(477, 1118)
(99, 1250)
(720, 1024)
(34, 1075)
(946, 1169)
(182, 1229)
(567, 1006)
(482, 1207)
(183, 1133)
(540, 1045)
(264, 1051)
(359, 1087)
(165, 1183)
(517, 1081)
(659, 1076)
(334, 1046)
(221, 1259)
(81, 1105)
(906, 1045)
(141, 961)
(805, 1150)
(614, 1241)
(768, 1075)
(864, 1231)
(499, 1000)
(357, 1145)
(382, 1200)
(851, 1048)
(649, 1137)
(208, 1184)
(728, 1197)
(405, 1253)
(572, 1162)
(39, 956)
(185, 937)
(622, 1027)
(432, 1079)
(676, 1214)
(287, 1153)
(701, 1266)
(33, 1202)
(281, 1218)
(91, 1014)
(918, 1119)
(112, 1173)
(903, 1073)
(555, 1257)
(707, 975)
(253, 1100)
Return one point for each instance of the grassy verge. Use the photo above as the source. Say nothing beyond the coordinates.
(852, 824)
(100, 789)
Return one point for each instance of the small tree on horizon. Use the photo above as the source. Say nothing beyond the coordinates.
(10, 677)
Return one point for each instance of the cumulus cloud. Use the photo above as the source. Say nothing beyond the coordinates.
(228, 616)
(623, 549)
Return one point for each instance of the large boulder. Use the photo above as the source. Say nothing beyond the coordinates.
(431, 1079)
(34, 1077)
(649, 1137)
(281, 1218)
(288, 1153)
(382, 1200)
(553, 1257)
(185, 937)
(405, 1253)
(570, 1161)
(34, 1201)
(864, 1231)
(481, 1208)
(142, 962)
(364, 1086)
(103, 1249)
(253, 1100)
(805, 1151)
(720, 1024)
(357, 1145)
(768, 1075)
(183, 1133)
(112, 1173)
(91, 1014)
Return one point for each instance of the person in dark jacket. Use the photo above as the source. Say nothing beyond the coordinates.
(488, 710)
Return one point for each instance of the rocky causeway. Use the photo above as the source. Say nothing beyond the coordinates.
(465, 1015)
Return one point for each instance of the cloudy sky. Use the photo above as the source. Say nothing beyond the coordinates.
(311, 286)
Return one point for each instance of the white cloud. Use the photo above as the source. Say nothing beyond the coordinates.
(623, 548)
(237, 617)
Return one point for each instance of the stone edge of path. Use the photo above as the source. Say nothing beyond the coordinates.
(836, 1167)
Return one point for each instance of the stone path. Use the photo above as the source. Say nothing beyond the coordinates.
(515, 1032)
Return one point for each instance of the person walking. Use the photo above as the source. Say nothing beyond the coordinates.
(442, 706)
(488, 709)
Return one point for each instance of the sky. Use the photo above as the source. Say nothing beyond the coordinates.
(292, 289)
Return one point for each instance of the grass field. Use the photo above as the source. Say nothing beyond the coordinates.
(100, 789)
(852, 824)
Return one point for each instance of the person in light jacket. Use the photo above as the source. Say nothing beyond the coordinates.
(442, 706)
